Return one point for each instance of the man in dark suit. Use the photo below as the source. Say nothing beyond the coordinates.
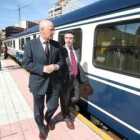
(42, 59)
(72, 75)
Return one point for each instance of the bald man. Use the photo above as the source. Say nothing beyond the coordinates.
(42, 59)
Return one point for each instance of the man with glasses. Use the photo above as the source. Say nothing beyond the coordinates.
(42, 59)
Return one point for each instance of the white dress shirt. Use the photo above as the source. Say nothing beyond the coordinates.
(44, 46)
(43, 42)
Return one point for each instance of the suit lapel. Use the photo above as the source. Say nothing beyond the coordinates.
(67, 56)
(77, 54)
(40, 49)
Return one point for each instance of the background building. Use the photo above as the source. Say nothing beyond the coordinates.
(62, 7)
(2, 34)
(11, 30)
(26, 24)
(19, 27)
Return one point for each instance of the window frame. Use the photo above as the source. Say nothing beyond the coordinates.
(74, 30)
(137, 75)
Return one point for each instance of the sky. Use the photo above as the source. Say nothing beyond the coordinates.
(37, 10)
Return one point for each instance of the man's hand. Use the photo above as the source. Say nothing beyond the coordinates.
(49, 68)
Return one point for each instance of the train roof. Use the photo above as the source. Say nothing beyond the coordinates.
(29, 31)
(95, 9)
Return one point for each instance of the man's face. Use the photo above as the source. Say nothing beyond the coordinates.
(48, 32)
(69, 39)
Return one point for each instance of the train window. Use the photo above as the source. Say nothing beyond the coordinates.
(118, 47)
(22, 44)
(78, 36)
(14, 43)
(34, 36)
(8, 44)
(11, 43)
(28, 38)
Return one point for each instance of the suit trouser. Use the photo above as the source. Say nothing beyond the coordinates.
(52, 96)
(66, 93)
(5, 55)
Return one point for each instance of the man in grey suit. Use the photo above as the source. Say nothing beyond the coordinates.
(72, 75)
(42, 59)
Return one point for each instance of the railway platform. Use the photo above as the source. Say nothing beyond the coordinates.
(16, 111)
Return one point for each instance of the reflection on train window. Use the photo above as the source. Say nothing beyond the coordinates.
(78, 36)
(118, 47)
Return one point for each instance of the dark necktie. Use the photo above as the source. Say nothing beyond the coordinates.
(47, 51)
(73, 63)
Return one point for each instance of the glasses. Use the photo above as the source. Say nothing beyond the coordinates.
(51, 29)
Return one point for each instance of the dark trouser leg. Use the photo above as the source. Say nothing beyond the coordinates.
(38, 111)
(65, 103)
(76, 93)
(4, 55)
(52, 102)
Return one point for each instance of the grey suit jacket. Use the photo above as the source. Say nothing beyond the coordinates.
(34, 59)
(65, 74)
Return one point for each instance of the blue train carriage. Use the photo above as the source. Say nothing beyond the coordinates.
(108, 33)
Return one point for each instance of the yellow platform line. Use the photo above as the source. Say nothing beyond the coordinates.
(91, 125)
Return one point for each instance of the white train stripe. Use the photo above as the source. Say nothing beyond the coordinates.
(112, 116)
(114, 85)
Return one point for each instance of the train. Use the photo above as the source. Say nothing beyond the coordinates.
(108, 34)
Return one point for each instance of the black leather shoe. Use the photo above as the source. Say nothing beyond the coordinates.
(51, 126)
(43, 136)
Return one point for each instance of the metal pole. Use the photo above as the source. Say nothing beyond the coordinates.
(19, 14)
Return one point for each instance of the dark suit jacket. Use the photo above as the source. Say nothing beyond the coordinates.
(34, 59)
(65, 74)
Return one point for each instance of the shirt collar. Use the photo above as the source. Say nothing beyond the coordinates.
(42, 40)
(68, 48)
